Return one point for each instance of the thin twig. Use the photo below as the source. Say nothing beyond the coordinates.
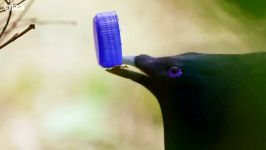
(14, 24)
(25, 22)
(8, 2)
(18, 35)
(64, 22)
(44, 22)
(7, 22)
(20, 2)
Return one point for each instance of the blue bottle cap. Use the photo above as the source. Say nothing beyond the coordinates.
(107, 39)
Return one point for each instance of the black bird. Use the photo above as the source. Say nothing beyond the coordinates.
(208, 101)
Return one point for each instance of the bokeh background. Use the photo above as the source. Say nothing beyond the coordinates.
(54, 95)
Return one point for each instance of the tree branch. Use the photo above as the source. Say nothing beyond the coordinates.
(18, 35)
(7, 22)
(17, 20)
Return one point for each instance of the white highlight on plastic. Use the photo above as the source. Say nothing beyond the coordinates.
(129, 60)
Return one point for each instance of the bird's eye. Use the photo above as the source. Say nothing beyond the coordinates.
(175, 72)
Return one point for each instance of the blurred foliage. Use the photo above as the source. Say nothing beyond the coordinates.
(252, 16)
(255, 8)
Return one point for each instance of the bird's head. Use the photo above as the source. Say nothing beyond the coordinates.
(168, 78)
(191, 89)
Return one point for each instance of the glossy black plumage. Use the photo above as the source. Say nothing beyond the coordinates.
(219, 102)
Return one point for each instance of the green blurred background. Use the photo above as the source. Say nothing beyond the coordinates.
(54, 96)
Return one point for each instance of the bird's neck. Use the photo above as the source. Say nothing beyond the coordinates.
(177, 133)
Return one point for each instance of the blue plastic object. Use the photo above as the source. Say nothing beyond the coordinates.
(107, 39)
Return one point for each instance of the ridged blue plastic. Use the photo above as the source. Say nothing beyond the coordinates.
(107, 39)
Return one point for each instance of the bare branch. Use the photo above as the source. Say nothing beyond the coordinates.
(18, 35)
(7, 2)
(7, 22)
(20, 2)
(17, 20)
(63, 22)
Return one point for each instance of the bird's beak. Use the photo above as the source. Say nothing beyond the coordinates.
(124, 71)
(145, 63)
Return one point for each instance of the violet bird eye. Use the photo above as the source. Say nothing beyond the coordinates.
(175, 72)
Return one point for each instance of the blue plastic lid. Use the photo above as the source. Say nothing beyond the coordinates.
(107, 39)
